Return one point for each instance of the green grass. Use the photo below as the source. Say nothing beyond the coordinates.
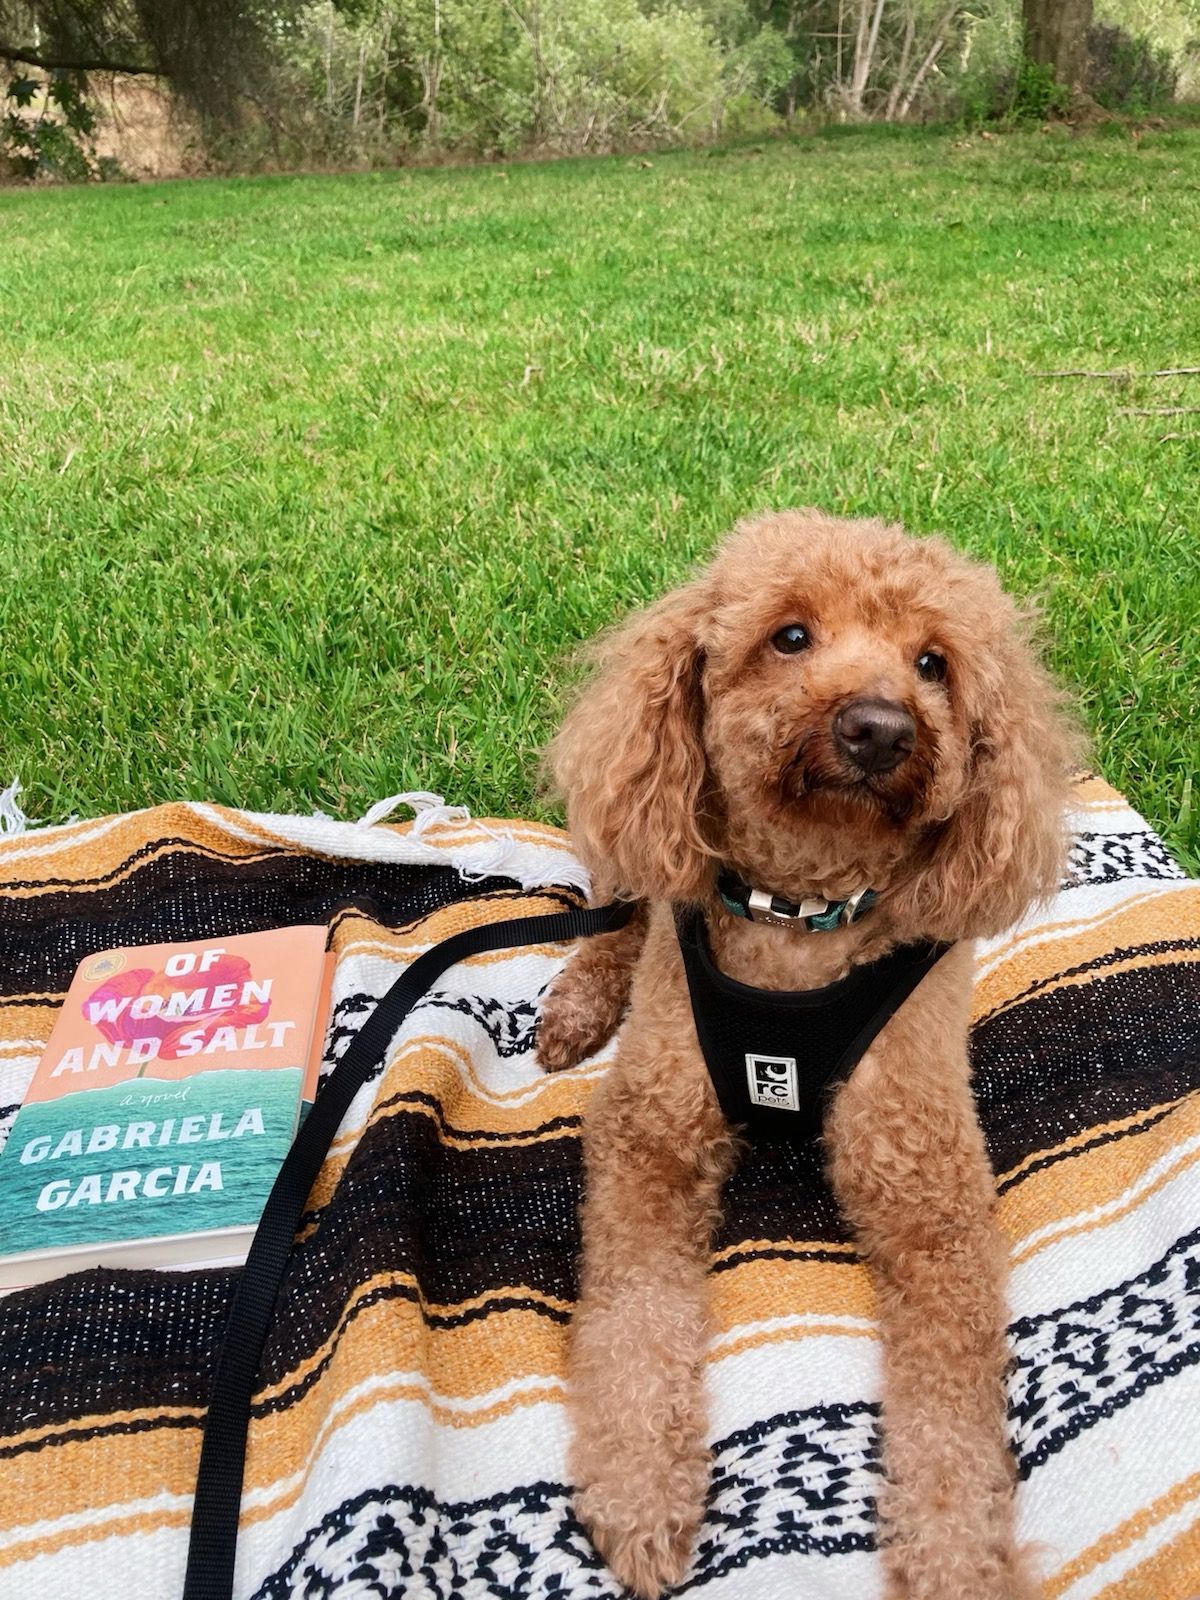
(309, 484)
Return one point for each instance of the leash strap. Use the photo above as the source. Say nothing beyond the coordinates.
(212, 1546)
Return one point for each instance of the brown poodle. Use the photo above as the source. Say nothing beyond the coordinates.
(829, 706)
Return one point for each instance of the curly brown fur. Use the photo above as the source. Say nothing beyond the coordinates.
(697, 743)
(586, 1012)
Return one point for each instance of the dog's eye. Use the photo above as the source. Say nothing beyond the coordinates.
(931, 666)
(792, 639)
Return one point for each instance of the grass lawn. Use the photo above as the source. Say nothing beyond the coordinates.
(307, 485)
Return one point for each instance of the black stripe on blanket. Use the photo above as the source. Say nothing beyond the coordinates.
(1085, 1055)
(189, 895)
(802, 1481)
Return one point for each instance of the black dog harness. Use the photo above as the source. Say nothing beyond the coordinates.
(773, 1055)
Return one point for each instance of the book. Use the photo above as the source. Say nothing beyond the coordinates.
(164, 1104)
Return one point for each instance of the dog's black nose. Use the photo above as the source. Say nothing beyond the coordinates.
(877, 735)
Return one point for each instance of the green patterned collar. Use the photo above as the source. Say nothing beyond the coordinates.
(757, 905)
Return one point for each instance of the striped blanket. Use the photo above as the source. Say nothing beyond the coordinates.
(408, 1434)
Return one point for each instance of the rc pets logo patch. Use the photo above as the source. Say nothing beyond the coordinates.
(772, 1082)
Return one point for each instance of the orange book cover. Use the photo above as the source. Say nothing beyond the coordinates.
(164, 1103)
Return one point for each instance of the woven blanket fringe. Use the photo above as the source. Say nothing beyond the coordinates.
(530, 854)
(12, 819)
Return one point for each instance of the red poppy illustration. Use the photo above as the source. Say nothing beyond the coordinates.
(145, 1004)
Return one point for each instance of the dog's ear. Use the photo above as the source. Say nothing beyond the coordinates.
(629, 758)
(1004, 847)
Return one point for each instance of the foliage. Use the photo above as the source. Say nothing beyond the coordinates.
(379, 82)
(311, 485)
(1170, 25)
(218, 55)
(575, 75)
(47, 129)
(1037, 93)
(1128, 73)
(571, 75)
(215, 53)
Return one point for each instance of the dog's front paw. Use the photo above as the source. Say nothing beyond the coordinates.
(574, 1023)
(561, 1041)
(950, 1563)
(646, 1538)
(1004, 1581)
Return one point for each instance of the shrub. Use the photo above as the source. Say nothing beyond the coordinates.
(1028, 92)
(1128, 71)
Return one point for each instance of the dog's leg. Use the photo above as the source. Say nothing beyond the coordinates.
(657, 1151)
(909, 1167)
(585, 1003)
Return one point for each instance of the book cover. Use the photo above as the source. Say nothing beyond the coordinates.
(164, 1104)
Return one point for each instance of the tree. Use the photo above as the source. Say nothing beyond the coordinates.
(213, 52)
(1056, 39)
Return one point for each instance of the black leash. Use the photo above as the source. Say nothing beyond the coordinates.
(213, 1544)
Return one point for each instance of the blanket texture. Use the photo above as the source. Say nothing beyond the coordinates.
(408, 1434)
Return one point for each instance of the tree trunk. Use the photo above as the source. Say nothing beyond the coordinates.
(433, 129)
(358, 78)
(937, 45)
(931, 55)
(329, 59)
(903, 68)
(893, 99)
(385, 67)
(864, 54)
(1056, 36)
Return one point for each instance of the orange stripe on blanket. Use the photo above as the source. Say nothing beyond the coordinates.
(1139, 961)
(268, 1505)
(762, 1290)
(1087, 1135)
(1090, 792)
(15, 1551)
(1084, 1183)
(508, 1342)
(542, 1392)
(1044, 950)
(752, 1246)
(96, 1475)
(1071, 1230)
(102, 1419)
(790, 1335)
(404, 954)
(97, 846)
(476, 832)
(431, 929)
(509, 1347)
(465, 1088)
(465, 1376)
(121, 872)
(1171, 1573)
(1121, 1538)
